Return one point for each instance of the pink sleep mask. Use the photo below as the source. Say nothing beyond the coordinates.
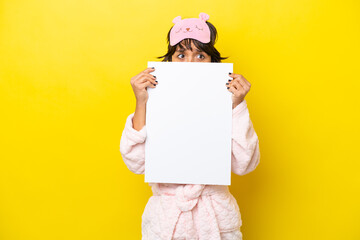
(195, 28)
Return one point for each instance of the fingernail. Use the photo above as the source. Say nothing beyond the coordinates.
(153, 68)
(230, 80)
(229, 73)
(227, 83)
(156, 81)
(154, 76)
(154, 84)
(227, 87)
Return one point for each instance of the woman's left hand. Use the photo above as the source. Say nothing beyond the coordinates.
(239, 87)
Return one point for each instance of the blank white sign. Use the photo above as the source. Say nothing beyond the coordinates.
(188, 123)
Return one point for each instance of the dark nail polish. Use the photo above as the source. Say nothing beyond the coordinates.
(229, 73)
(154, 76)
(227, 83)
(154, 84)
(153, 68)
(230, 80)
(227, 87)
(156, 81)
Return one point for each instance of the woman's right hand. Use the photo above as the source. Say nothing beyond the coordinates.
(140, 82)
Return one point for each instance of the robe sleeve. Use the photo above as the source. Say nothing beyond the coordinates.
(245, 144)
(132, 147)
(245, 156)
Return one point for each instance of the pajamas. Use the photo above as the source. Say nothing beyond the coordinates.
(194, 211)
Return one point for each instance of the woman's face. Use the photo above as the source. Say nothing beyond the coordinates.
(186, 55)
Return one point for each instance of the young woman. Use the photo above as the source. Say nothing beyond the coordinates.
(191, 211)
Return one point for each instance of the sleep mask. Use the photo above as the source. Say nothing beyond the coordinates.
(195, 28)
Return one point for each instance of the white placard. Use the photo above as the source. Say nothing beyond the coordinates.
(189, 123)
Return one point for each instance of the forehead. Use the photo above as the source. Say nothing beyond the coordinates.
(184, 49)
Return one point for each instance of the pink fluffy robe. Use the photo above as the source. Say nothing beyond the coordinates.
(194, 211)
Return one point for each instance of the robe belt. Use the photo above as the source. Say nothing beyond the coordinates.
(187, 197)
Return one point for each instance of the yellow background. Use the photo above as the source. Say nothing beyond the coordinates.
(65, 93)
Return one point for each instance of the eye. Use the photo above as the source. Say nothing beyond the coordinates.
(198, 28)
(179, 55)
(202, 56)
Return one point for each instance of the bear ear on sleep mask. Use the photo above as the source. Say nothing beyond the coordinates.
(195, 28)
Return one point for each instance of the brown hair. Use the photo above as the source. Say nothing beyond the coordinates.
(206, 47)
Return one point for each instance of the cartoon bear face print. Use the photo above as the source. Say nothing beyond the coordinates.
(195, 28)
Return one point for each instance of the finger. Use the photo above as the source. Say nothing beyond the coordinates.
(244, 84)
(228, 84)
(141, 79)
(235, 78)
(148, 70)
(142, 74)
(237, 86)
(148, 83)
(145, 78)
(239, 81)
(232, 89)
(139, 76)
(234, 75)
(150, 75)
